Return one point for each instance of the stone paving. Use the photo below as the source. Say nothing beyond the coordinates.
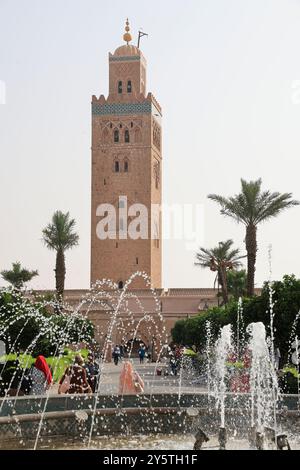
(154, 383)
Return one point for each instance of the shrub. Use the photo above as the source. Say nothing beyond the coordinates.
(286, 298)
(27, 324)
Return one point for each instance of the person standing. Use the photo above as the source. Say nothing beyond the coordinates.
(173, 365)
(149, 356)
(116, 354)
(121, 352)
(92, 372)
(130, 381)
(142, 352)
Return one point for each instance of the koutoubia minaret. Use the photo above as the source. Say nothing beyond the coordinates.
(126, 173)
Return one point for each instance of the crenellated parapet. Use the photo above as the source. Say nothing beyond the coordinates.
(108, 107)
(154, 101)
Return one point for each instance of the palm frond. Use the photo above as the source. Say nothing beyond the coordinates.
(59, 234)
(251, 205)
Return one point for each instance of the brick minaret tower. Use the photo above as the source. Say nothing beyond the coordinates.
(126, 170)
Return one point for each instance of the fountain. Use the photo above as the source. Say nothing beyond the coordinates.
(181, 415)
(201, 438)
(263, 380)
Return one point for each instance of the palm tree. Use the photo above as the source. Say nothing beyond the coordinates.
(237, 283)
(17, 276)
(220, 259)
(251, 207)
(59, 235)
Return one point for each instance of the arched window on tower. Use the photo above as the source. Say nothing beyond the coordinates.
(120, 87)
(129, 86)
(120, 284)
(116, 136)
(126, 166)
(127, 137)
(117, 166)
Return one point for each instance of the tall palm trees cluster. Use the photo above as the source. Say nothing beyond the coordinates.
(250, 207)
(59, 236)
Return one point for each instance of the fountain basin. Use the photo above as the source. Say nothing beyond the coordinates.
(69, 417)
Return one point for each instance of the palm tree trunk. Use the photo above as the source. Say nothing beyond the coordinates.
(60, 274)
(223, 283)
(251, 247)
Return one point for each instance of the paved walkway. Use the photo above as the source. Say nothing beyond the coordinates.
(153, 383)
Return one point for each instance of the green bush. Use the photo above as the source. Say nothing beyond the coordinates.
(27, 323)
(288, 382)
(11, 372)
(286, 298)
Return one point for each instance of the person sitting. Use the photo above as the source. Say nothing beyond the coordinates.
(40, 376)
(74, 379)
(130, 382)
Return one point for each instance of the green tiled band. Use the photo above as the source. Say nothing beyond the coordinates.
(124, 58)
(121, 108)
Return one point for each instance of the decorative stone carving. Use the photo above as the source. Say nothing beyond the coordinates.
(156, 135)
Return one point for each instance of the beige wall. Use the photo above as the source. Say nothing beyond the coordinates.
(162, 310)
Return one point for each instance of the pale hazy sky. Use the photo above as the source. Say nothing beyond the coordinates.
(227, 74)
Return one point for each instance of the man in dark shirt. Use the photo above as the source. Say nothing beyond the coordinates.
(92, 372)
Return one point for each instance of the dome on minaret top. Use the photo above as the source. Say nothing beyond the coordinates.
(127, 49)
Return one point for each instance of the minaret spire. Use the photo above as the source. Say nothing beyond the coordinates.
(127, 36)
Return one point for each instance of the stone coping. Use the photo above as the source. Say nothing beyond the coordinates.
(30, 417)
(16, 406)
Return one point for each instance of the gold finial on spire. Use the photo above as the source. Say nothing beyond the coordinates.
(127, 36)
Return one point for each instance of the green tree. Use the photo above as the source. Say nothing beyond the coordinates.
(220, 259)
(27, 322)
(18, 276)
(60, 236)
(237, 283)
(251, 207)
(286, 298)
